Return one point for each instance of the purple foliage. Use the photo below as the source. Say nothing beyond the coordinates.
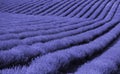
(59, 36)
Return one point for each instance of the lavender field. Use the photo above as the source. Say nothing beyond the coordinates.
(59, 36)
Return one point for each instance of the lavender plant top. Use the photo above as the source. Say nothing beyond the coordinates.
(59, 36)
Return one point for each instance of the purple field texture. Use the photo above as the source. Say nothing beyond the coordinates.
(59, 36)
